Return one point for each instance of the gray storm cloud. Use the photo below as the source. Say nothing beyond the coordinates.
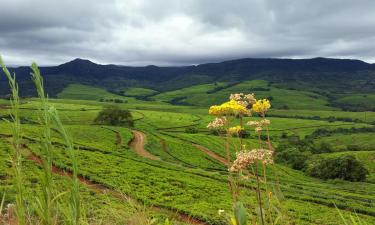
(180, 32)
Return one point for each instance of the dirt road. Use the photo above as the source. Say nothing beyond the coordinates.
(138, 144)
(212, 154)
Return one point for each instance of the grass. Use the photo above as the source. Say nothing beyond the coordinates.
(361, 100)
(294, 99)
(363, 116)
(139, 92)
(345, 142)
(185, 92)
(79, 91)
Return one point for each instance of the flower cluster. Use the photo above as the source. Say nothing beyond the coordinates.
(259, 124)
(228, 108)
(218, 123)
(245, 158)
(235, 131)
(244, 100)
(261, 106)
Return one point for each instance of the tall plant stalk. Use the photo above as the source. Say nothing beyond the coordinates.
(46, 206)
(74, 201)
(17, 138)
(48, 118)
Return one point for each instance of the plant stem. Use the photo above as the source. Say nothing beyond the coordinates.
(240, 135)
(259, 196)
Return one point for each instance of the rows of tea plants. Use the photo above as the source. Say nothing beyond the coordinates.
(184, 179)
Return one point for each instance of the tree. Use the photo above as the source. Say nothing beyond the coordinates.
(115, 116)
(345, 167)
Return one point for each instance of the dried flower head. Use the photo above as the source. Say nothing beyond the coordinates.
(236, 96)
(265, 122)
(245, 158)
(254, 123)
(218, 123)
(258, 125)
(250, 98)
(244, 100)
(258, 130)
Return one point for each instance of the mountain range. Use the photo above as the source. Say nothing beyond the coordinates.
(322, 74)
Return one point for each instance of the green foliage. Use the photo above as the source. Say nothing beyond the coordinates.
(79, 91)
(343, 167)
(191, 130)
(114, 116)
(356, 102)
(16, 156)
(139, 92)
(292, 156)
(240, 214)
(323, 147)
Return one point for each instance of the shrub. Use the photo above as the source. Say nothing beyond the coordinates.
(324, 147)
(113, 115)
(342, 167)
(292, 157)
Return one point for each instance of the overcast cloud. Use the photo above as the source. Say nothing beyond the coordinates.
(182, 32)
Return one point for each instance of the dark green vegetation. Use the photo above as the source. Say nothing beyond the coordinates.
(115, 116)
(345, 167)
(309, 130)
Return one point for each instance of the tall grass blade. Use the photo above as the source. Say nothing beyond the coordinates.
(74, 203)
(17, 156)
(47, 209)
(341, 215)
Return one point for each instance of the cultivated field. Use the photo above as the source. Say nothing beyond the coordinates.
(169, 165)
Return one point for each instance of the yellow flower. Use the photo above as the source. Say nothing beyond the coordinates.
(235, 130)
(261, 106)
(228, 108)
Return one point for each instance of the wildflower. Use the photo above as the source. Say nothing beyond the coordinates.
(259, 124)
(228, 108)
(250, 98)
(254, 123)
(220, 211)
(235, 131)
(236, 97)
(265, 122)
(261, 106)
(258, 129)
(218, 123)
(245, 158)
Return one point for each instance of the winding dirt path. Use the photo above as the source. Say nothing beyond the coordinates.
(212, 154)
(138, 143)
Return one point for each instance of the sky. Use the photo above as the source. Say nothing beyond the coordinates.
(184, 32)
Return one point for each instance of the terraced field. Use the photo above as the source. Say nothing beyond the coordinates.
(182, 175)
(210, 94)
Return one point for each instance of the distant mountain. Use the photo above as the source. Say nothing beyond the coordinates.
(334, 75)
